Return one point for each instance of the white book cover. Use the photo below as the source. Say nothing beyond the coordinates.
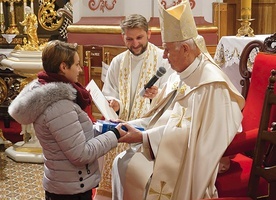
(100, 101)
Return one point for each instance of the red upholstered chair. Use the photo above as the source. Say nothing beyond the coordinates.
(234, 182)
(264, 157)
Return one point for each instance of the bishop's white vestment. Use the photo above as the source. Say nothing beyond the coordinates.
(188, 137)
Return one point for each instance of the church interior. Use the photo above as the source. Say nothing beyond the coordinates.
(238, 44)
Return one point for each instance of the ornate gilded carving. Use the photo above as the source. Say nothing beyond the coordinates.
(3, 91)
(10, 85)
(48, 16)
(30, 24)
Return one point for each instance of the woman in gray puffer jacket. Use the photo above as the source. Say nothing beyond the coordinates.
(55, 104)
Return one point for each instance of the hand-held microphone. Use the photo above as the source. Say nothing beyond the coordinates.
(160, 72)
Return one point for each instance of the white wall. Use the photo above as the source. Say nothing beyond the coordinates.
(148, 8)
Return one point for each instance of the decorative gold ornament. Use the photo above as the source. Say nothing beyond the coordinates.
(48, 17)
(31, 24)
(10, 85)
(3, 91)
(31, 43)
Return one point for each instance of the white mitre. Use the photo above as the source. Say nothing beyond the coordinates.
(177, 24)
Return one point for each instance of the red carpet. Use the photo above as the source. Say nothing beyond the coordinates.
(13, 133)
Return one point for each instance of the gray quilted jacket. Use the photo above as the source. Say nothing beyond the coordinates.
(70, 145)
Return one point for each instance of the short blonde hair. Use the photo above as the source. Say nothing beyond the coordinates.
(134, 21)
(56, 52)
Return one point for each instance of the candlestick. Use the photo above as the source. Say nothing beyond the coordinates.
(12, 29)
(245, 29)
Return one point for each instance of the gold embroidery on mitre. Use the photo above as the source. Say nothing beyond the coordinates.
(160, 192)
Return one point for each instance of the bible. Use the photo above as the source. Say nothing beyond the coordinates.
(103, 125)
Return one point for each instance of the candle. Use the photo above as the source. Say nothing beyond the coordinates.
(1, 7)
(246, 3)
(32, 6)
(24, 7)
(11, 7)
(246, 9)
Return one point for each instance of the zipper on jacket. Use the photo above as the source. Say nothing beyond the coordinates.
(87, 169)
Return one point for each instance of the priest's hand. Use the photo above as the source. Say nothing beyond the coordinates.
(151, 92)
(131, 134)
(114, 104)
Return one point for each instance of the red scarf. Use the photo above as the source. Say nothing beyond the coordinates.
(83, 96)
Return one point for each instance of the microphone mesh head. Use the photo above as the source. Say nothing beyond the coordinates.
(160, 72)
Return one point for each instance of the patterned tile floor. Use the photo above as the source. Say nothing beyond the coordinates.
(20, 181)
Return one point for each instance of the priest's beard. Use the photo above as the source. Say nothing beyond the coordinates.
(143, 49)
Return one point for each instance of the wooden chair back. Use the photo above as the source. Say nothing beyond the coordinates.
(266, 141)
(109, 52)
(248, 56)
